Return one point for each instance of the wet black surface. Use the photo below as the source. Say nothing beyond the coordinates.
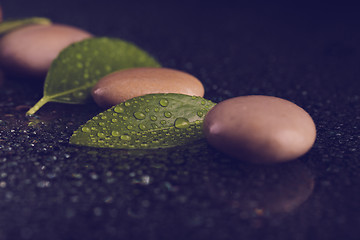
(306, 54)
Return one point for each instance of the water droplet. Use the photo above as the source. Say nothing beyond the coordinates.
(78, 56)
(163, 122)
(115, 133)
(114, 120)
(125, 118)
(153, 118)
(79, 65)
(147, 109)
(118, 109)
(139, 115)
(127, 104)
(101, 135)
(142, 126)
(202, 102)
(86, 75)
(193, 97)
(164, 102)
(86, 129)
(95, 118)
(101, 123)
(129, 127)
(181, 123)
(156, 109)
(125, 137)
(167, 114)
(200, 113)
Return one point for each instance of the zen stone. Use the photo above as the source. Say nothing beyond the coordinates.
(260, 129)
(125, 84)
(30, 50)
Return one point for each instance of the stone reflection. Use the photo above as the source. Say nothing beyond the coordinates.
(264, 190)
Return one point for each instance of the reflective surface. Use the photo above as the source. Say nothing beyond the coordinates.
(306, 54)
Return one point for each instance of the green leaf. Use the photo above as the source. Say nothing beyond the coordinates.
(150, 121)
(10, 25)
(78, 67)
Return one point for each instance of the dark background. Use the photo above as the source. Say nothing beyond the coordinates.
(306, 53)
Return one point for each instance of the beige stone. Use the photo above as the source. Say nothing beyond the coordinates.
(260, 129)
(31, 49)
(122, 85)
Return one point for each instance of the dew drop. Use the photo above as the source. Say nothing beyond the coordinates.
(162, 122)
(139, 115)
(129, 127)
(115, 133)
(114, 120)
(127, 104)
(200, 113)
(164, 102)
(118, 109)
(153, 118)
(101, 123)
(147, 110)
(142, 126)
(86, 129)
(125, 137)
(125, 118)
(181, 123)
(101, 135)
(167, 114)
(202, 102)
(156, 109)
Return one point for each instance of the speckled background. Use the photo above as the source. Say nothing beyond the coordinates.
(308, 54)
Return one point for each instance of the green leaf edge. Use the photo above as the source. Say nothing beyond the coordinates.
(48, 98)
(10, 25)
(198, 122)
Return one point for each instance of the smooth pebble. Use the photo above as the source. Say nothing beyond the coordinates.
(30, 50)
(125, 84)
(260, 129)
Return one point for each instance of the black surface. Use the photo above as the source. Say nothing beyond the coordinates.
(308, 54)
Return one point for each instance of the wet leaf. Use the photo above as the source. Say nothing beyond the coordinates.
(150, 121)
(10, 25)
(78, 67)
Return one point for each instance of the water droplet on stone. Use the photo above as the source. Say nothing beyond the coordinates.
(139, 115)
(164, 102)
(181, 122)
